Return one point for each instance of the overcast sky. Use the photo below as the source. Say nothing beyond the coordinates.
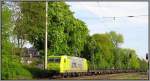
(99, 17)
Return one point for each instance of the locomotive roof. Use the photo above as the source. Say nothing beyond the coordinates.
(64, 56)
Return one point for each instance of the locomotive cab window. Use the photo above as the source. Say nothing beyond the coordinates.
(55, 60)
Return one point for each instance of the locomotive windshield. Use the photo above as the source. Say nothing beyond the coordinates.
(56, 60)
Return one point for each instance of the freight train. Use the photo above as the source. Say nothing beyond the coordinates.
(75, 66)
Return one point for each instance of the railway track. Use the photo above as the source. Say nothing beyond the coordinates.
(117, 76)
(93, 73)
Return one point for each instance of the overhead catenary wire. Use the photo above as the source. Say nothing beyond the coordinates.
(128, 16)
(111, 18)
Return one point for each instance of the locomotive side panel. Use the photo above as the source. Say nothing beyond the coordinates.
(78, 64)
(85, 66)
(65, 64)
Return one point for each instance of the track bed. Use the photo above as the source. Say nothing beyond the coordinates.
(119, 76)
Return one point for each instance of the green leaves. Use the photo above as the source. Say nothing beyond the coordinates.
(104, 52)
(65, 32)
(105, 46)
(6, 22)
(11, 67)
(134, 62)
(116, 38)
(12, 70)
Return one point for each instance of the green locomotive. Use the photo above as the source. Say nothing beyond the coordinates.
(67, 64)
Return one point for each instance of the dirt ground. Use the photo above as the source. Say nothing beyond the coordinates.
(118, 76)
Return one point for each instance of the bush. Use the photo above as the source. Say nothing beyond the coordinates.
(11, 67)
(14, 71)
(38, 73)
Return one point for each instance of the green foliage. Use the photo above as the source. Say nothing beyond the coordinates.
(128, 59)
(11, 67)
(30, 24)
(124, 58)
(143, 65)
(6, 22)
(116, 39)
(104, 52)
(66, 34)
(134, 62)
(12, 70)
(38, 73)
(89, 48)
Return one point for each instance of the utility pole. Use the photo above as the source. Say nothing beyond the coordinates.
(46, 37)
(93, 51)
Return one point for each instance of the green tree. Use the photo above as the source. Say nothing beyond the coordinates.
(104, 51)
(116, 40)
(134, 62)
(128, 59)
(90, 50)
(66, 34)
(143, 64)
(11, 67)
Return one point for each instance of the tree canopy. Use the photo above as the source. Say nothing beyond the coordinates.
(11, 67)
(66, 34)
